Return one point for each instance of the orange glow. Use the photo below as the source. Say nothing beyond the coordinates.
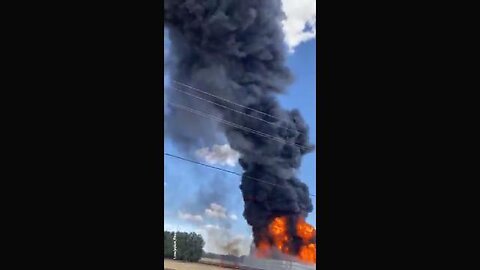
(263, 249)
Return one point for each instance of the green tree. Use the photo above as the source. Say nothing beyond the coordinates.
(189, 246)
(168, 245)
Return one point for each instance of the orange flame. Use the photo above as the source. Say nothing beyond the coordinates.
(308, 253)
(279, 234)
(278, 230)
(305, 231)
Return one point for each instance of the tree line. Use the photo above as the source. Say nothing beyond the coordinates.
(189, 246)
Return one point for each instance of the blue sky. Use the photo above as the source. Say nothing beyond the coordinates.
(184, 186)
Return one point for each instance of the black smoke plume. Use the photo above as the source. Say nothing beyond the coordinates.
(235, 49)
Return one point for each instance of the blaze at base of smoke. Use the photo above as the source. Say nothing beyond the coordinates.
(290, 236)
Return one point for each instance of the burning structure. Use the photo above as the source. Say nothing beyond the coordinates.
(235, 51)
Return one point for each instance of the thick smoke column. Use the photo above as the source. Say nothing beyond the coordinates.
(235, 49)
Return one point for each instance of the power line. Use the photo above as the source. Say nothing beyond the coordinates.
(203, 164)
(223, 170)
(224, 99)
(226, 122)
(237, 111)
(250, 130)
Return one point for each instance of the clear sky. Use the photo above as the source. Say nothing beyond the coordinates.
(190, 189)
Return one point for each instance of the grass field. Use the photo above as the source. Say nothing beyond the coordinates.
(177, 265)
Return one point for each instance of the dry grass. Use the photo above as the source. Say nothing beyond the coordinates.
(177, 265)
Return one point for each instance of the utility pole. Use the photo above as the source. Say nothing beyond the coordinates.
(175, 245)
